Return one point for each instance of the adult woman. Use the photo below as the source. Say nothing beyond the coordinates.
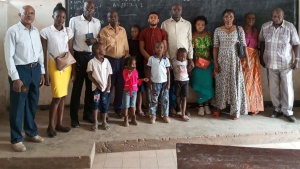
(57, 40)
(252, 76)
(230, 88)
(202, 80)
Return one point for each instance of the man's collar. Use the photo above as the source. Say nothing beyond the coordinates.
(283, 25)
(23, 27)
(52, 27)
(110, 27)
(180, 20)
(83, 18)
(164, 57)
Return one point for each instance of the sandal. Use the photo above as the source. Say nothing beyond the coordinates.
(185, 118)
(141, 113)
(188, 114)
(105, 126)
(233, 117)
(216, 114)
(63, 129)
(51, 133)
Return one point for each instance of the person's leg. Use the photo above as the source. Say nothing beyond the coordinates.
(52, 114)
(172, 93)
(96, 102)
(126, 100)
(274, 87)
(154, 94)
(178, 89)
(113, 80)
(164, 100)
(59, 124)
(31, 103)
(76, 91)
(139, 103)
(119, 85)
(88, 97)
(287, 92)
(104, 109)
(132, 107)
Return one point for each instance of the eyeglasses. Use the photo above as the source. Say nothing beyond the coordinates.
(28, 13)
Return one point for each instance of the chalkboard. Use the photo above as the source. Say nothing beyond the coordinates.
(133, 12)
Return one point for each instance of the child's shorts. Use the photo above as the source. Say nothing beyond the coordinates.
(100, 101)
(181, 88)
(129, 101)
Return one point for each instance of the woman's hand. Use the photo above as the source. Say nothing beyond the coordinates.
(47, 79)
(217, 68)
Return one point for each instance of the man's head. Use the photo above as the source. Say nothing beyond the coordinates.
(89, 8)
(176, 11)
(27, 14)
(153, 18)
(113, 18)
(277, 16)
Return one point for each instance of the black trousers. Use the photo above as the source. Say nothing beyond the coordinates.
(82, 59)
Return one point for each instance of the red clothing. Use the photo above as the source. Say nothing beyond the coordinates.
(131, 80)
(252, 39)
(150, 36)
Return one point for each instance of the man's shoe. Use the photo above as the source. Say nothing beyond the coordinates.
(276, 114)
(36, 139)
(88, 120)
(75, 125)
(18, 147)
(119, 115)
(290, 118)
(166, 119)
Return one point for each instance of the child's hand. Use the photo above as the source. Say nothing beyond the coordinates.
(149, 84)
(145, 79)
(107, 89)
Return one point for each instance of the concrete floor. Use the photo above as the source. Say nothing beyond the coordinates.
(78, 145)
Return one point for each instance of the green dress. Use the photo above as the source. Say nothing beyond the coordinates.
(202, 79)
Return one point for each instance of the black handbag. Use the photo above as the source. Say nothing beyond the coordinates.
(240, 50)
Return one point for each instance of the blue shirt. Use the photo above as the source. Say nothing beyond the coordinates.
(21, 47)
(158, 69)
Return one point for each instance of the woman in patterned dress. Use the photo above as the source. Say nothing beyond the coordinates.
(252, 76)
(230, 88)
(202, 80)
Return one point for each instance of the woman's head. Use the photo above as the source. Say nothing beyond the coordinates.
(228, 16)
(199, 23)
(59, 15)
(250, 19)
(135, 30)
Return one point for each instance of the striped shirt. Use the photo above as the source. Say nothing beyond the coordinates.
(279, 44)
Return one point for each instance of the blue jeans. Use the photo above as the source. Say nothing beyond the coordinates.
(159, 91)
(129, 101)
(24, 103)
(100, 101)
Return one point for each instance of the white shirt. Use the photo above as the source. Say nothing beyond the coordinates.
(81, 27)
(158, 69)
(57, 41)
(100, 72)
(279, 44)
(180, 70)
(179, 36)
(21, 47)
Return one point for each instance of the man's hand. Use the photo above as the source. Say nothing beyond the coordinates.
(168, 86)
(295, 65)
(42, 81)
(47, 80)
(90, 41)
(190, 65)
(262, 63)
(17, 85)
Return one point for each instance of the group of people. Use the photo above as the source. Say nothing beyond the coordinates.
(159, 62)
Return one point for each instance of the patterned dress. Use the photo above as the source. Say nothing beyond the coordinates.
(230, 88)
(202, 80)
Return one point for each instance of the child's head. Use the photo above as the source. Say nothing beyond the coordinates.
(199, 23)
(130, 63)
(159, 48)
(135, 30)
(181, 54)
(153, 18)
(98, 49)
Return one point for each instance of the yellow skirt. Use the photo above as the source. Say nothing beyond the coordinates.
(59, 79)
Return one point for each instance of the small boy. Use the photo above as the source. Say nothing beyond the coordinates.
(181, 82)
(99, 72)
(159, 82)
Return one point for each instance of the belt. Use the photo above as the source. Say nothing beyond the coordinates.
(116, 57)
(81, 52)
(33, 64)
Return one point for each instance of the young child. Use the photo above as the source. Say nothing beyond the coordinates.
(159, 82)
(181, 81)
(99, 72)
(134, 51)
(130, 75)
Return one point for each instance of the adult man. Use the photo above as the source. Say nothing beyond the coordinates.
(179, 33)
(86, 29)
(114, 38)
(25, 63)
(279, 40)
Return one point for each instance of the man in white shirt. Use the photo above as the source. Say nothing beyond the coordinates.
(86, 29)
(179, 33)
(25, 63)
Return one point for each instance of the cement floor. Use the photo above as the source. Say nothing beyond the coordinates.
(79, 143)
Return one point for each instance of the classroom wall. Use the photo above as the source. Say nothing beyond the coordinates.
(9, 12)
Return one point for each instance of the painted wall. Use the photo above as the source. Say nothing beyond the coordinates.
(9, 12)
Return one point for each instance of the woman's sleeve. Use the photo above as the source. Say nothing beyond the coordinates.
(242, 36)
(216, 39)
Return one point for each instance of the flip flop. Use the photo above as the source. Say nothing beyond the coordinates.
(105, 126)
(141, 114)
(63, 129)
(185, 118)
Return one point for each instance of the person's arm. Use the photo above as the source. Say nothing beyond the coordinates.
(40, 58)
(45, 49)
(168, 79)
(126, 47)
(90, 75)
(126, 75)
(9, 50)
(143, 51)
(216, 52)
(262, 47)
(149, 77)
(191, 64)
(296, 49)
(243, 41)
(107, 90)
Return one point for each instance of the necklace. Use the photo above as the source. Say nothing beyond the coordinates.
(228, 28)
